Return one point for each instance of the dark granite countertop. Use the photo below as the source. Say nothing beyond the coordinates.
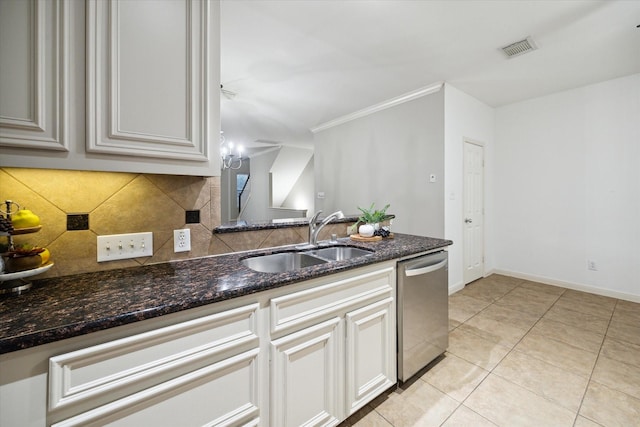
(236, 226)
(64, 307)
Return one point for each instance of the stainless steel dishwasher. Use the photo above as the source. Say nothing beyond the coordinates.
(423, 312)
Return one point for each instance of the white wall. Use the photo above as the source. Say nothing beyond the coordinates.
(299, 186)
(301, 195)
(465, 117)
(257, 207)
(229, 192)
(567, 188)
(286, 170)
(386, 157)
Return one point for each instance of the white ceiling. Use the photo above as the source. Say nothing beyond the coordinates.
(296, 64)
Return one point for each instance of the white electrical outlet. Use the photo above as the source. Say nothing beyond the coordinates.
(591, 265)
(122, 246)
(182, 240)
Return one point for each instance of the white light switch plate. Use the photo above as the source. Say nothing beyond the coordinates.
(122, 246)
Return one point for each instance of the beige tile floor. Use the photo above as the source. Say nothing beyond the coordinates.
(524, 354)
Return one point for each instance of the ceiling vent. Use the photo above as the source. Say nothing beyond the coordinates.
(519, 48)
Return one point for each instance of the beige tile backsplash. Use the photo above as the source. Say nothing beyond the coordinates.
(128, 203)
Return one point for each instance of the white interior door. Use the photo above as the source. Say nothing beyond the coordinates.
(473, 211)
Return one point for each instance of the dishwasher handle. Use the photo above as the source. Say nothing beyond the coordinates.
(425, 270)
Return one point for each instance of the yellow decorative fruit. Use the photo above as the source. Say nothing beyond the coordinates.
(24, 218)
(45, 255)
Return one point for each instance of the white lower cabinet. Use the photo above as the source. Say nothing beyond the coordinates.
(200, 372)
(322, 373)
(370, 352)
(305, 368)
(220, 394)
(307, 354)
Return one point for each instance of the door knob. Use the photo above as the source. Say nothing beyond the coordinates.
(468, 220)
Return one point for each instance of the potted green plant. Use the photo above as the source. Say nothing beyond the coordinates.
(371, 219)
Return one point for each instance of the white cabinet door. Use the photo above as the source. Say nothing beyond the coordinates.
(321, 374)
(305, 379)
(151, 87)
(221, 394)
(34, 58)
(203, 371)
(371, 353)
(110, 85)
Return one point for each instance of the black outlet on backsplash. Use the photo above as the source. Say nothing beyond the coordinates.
(192, 217)
(77, 222)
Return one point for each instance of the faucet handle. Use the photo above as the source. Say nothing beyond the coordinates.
(315, 216)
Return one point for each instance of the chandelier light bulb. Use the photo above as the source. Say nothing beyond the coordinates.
(229, 160)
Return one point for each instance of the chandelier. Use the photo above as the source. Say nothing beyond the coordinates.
(230, 155)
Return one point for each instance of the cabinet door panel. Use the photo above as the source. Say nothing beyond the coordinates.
(34, 60)
(148, 78)
(305, 377)
(151, 105)
(371, 352)
(222, 394)
(110, 370)
(298, 309)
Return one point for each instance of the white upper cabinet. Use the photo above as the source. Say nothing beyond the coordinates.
(34, 58)
(112, 85)
(148, 78)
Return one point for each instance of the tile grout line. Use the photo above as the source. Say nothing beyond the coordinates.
(604, 337)
(484, 308)
(490, 372)
(575, 417)
(513, 348)
(592, 369)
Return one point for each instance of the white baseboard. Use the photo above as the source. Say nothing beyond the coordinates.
(455, 288)
(568, 285)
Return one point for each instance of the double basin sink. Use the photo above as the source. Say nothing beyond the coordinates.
(289, 261)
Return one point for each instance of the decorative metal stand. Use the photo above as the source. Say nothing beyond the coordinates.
(14, 283)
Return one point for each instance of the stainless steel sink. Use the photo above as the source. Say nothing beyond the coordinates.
(340, 253)
(280, 262)
(289, 261)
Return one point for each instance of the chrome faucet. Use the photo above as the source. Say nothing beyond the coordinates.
(315, 228)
